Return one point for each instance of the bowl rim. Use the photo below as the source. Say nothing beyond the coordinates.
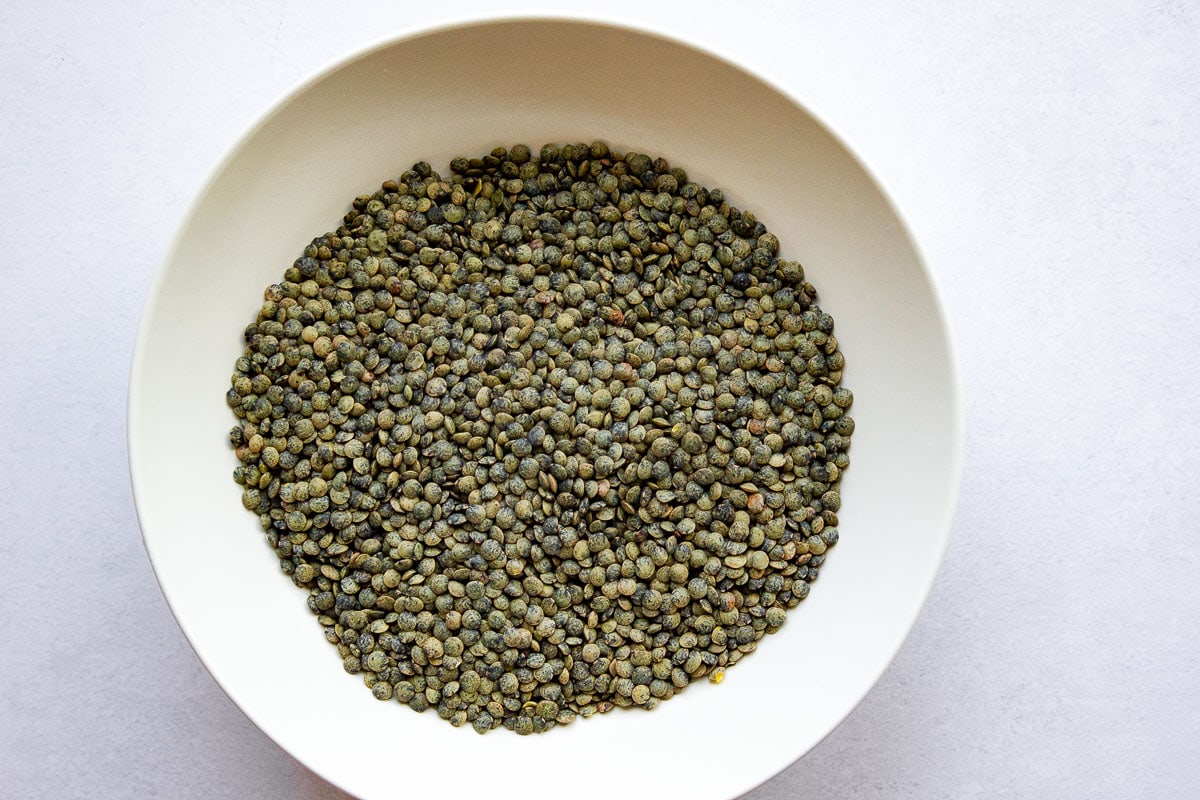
(618, 23)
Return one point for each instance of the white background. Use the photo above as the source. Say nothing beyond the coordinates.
(1045, 153)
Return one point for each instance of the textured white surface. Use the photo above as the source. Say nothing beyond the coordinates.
(1046, 157)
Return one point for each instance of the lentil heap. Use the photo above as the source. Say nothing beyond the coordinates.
(557, 433)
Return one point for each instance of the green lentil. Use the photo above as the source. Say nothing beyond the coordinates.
(554, 433)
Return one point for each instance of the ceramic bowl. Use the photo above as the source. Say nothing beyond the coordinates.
(463, 90)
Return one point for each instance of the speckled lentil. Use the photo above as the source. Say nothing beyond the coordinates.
(556, 433)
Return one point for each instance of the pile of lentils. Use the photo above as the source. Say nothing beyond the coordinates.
(557, 433)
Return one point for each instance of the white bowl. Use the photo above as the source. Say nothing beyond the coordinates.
(464, 90)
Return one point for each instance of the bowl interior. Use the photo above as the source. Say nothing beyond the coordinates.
(462, 91)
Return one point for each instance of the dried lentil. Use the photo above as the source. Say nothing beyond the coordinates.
(550, 435)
